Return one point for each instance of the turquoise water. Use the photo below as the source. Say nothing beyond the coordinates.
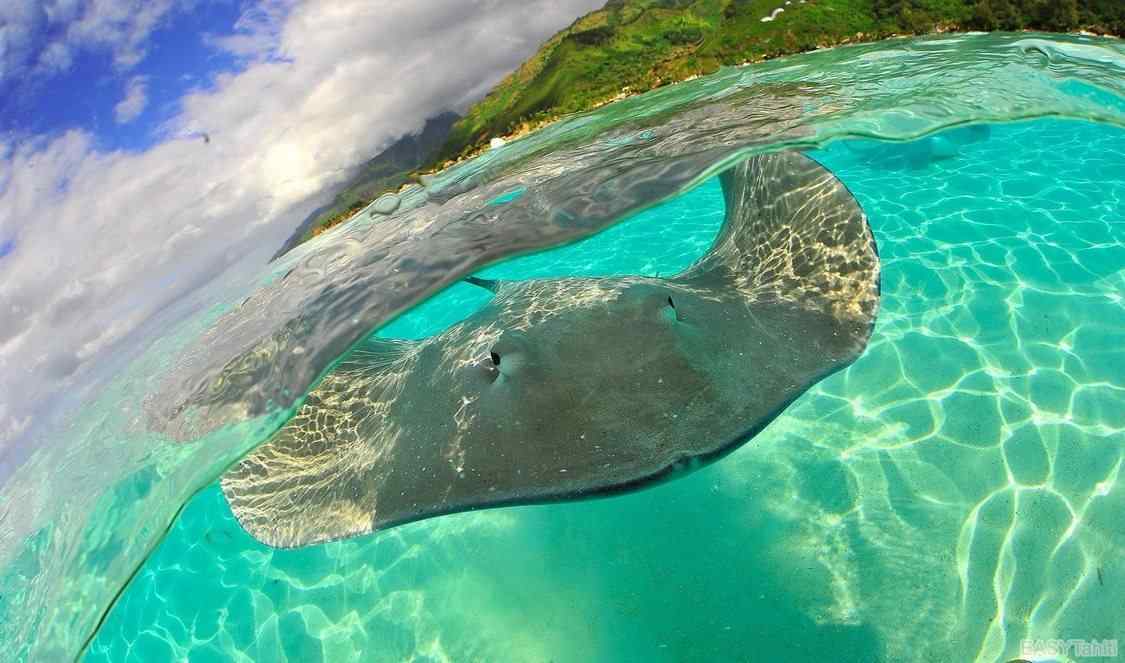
(213, 375)
(956, 490)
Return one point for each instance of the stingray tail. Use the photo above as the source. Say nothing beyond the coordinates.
(487, 284)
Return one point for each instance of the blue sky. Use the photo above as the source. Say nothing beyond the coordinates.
(177, 58)
(112, 207)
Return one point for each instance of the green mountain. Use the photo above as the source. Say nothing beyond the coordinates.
(636, 45)
(386, 171)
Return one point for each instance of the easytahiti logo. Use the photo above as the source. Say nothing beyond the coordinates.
(1076, 648)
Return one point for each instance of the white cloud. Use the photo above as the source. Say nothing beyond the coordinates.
(134, 102)
(40, 38)
(122, 25)
(257, 32)
(21, 21)
(104, 240)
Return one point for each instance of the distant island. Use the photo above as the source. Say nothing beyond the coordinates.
(632, 46)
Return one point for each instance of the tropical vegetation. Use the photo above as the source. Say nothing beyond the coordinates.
(637, 45)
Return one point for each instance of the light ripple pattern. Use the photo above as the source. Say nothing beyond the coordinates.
(956, 490)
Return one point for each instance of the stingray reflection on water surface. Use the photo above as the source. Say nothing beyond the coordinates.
(578, 387)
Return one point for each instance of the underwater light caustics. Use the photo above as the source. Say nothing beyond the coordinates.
(576, 387)
(87, 509)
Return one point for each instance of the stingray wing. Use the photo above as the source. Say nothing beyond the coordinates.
(793, 233)
(313, 480)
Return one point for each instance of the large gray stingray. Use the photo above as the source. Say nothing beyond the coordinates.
(569, 388)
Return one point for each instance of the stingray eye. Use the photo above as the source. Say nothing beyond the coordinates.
(494, 357)
(669, 312)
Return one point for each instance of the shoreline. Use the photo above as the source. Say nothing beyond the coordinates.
(627, 92)
(529, 127)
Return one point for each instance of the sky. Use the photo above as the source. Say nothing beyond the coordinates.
(112, 204)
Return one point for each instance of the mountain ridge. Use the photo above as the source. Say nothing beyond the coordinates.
(387, 171)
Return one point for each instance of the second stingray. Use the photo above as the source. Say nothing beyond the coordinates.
(570, 388)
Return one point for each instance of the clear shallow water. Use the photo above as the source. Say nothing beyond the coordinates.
(218, 372)
(954, 491)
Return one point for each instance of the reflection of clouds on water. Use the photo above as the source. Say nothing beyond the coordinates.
(956, 490)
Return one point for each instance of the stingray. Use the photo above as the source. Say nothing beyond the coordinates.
(570, 388)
